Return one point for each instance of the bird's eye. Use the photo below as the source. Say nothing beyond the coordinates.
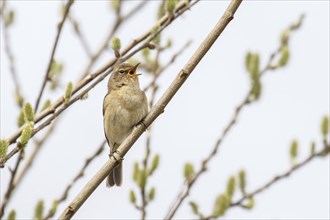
(121, 71)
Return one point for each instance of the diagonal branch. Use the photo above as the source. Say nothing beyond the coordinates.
(59, 31)
(59, 106)
(282, 176)
(159, 107)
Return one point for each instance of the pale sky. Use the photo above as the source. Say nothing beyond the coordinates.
(293, 101)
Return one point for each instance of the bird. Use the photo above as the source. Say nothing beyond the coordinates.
(124, 106)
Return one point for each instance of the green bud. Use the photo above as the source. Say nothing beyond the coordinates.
(142, 178)
(170, 5)
(3, 148)
(26, 134)
(169, 43)
(46, 105)
(313, 146)
(12, 215)
(115, 4)
(256, 90)
(10, 18)
(132, 197)
(20, 119)
(28, 112)
(252, 62)
(146, 53)
(285, 55)
(250, 203)
(221, 205)
(325, 126)
(152, 193)
(154, 164)
(68, 93)
(161, 10)
(242, 181)
(116, 45)
(39, 210)
(294, 151)
(194, 207)
(56, 68)
(231, 187)
(19, 99)
(54, 206)
(136, 171)
(189, 170)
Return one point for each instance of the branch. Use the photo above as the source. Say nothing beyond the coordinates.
(159, 107)
(282, 176)
(188, 184)
(59, 31)
(11, 185)
(80, 174)
(118, 22)
(11, 58)
(59, 106)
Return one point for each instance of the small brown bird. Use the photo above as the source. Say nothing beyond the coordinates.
(124, 106)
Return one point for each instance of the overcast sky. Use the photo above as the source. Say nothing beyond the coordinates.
(292, 104)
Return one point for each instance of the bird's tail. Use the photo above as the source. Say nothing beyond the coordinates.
(116, 176)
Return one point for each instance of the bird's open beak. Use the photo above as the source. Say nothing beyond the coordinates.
(133, 70)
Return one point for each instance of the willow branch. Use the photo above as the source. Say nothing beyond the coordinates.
(188, 184)
(59, 106)
(59, 31)
(11, 58)
(11, 185)
(158, 109)
(80, 174)
(118, 22)
(282, 176)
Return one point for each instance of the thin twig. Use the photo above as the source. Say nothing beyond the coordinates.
(188, 184)
(80, 35)
(80, 174)
(59, 31)
(282, 176)
(157, 109)
(9, 53)
(59, 106)
(11, 185)
(118, 22)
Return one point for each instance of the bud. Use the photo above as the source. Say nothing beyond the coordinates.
(132, 197)
(231, 187)
(154, 164)
(10, 18)
(250, 203)
(325, 127)
(170, 5)
(188, 170)
(12, 215)
(194, 207)
(3, 148)
(39, 210)
(136, 171)
(54, 206)
(116, 45)
(221, 205)
(152, 193)
(46, 105)
(68, 93)
(142, 178)
(242, 181)
(285, 55)
(26, 134)
(313, 145)
(28, 112)
(21, 119)
(294, 151)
